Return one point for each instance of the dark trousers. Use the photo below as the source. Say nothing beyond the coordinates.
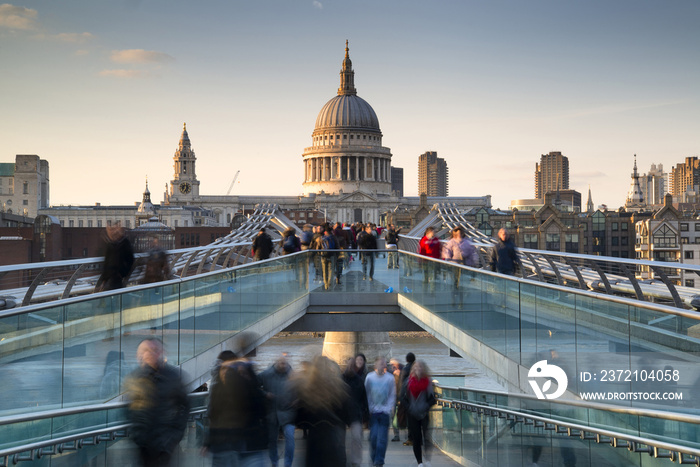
(367, 258)
(418, 432)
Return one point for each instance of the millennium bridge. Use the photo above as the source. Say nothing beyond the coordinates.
(608, 331)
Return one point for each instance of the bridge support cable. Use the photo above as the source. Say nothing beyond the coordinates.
(637, 289)
(671, 288)
(581, 282)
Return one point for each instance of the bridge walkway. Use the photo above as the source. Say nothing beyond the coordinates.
(58, 354)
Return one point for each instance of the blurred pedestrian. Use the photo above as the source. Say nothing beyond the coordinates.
(157, 264)
(119, 259)
(237, 435)
(358, 395)
(328, 257)
(392, 244)
(395, 368)
(316, 245)
(323, 405)
(366, 241)
(503, 256)
(289, 242)
(280, 414)
(158, 405)
(461, 251)
(403, 383)
(262, 245)
(419, 398)
(381, 397)
(429, 246)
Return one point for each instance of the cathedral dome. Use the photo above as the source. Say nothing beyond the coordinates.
(347, 111)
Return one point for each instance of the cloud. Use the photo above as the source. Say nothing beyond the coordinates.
(75, 37)
(82, 52)
(139, 56)
(17, 17)
(318, 4)
(124, 74)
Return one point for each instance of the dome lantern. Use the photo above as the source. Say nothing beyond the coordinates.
(347, 76)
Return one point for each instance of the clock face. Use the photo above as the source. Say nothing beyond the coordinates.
(185, 188)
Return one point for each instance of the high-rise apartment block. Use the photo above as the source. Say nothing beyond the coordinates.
(397, 181)
(654, 184)
(684, 177)
(551, 174)
(432, 175)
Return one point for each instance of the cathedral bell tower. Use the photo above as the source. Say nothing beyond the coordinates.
(184, 186)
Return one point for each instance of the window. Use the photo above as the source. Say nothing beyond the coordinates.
(89, 223)
(689, 255)
(614, 225)
(530, 241)
(25, 188)
(664, 237)
(571, 242)
(128, 224)
(99, 223)
(552, 242)
(684, 227)
(80, 223)
(684, 240)
(625, 254)
(624, 241)
(25, 202)
(85, 252)
(71, 223)
(624, 226)
(345, 136)
(697, 227)
(109, 223)
(690, 282)
(62, 221)
(615, 241)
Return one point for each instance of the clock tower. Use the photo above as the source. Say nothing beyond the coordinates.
(184, 186)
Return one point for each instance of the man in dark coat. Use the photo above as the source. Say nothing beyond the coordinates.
(280, 413)
(237, 424)
(158, 405)
(367, 241)
(119, 259)
(503, 257)
(262, 245)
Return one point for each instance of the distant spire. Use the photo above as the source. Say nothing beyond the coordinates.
(589, 204)
(635, 198)
(347, 76)
(185, 138)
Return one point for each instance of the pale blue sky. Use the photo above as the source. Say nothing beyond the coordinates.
(101, 89)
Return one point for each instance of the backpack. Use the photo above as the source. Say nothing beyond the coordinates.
(306, 237)
(289, 245)
(329, 243)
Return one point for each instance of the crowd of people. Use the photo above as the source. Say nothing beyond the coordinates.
(250, 412)
(329, 258)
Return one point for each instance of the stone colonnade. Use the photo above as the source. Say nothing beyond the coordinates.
(335, 168)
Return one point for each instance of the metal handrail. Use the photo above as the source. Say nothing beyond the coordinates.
(653, 413)
(555, 264)
(77, 440)
(615, 439)
(611, 298)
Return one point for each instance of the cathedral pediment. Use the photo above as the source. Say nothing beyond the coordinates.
(359, 197)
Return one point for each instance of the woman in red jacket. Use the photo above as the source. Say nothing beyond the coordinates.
(429, 246)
